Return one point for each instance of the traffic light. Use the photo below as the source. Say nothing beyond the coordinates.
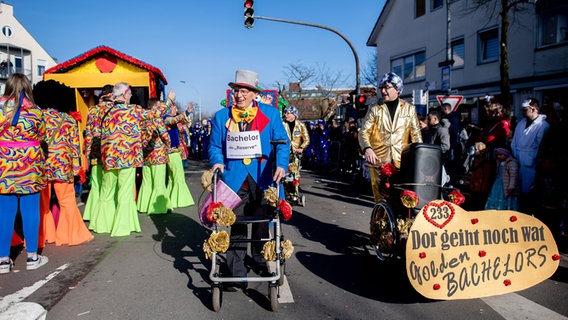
(360, 102)
(249, 13)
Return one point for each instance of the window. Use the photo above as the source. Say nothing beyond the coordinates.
(40, 67)
(553, 27)
(410, 67)
(458, 53)
(18, 64)
(7, 31)
(420, 8)
(488, 46)
(437, 4)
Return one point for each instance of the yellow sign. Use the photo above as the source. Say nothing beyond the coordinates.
(455, 254)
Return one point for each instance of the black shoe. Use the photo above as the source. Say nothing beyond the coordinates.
(234, 286)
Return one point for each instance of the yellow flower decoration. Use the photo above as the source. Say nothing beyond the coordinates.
(379, 234)
(271, 196)
(219, 241)
(403, 226)
(224, 216)
(269, 251)
(207, 250)
(287, 249)
(207, 181)
(409, 199)
(293, 167)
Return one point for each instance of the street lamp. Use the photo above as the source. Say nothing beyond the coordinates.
(198, 96)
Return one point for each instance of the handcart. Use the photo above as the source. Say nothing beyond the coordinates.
(276, 269)
(292, 182)
(418, 182)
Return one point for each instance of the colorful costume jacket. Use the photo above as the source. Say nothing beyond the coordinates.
(93, 131)
(177, 133)
(388, 137)
(21, 157)
(269, 124)
(121, 136)
(155, 141)
(62, 136)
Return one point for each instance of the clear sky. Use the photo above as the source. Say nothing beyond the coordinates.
(203, 43)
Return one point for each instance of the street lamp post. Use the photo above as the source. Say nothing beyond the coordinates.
(198, 96)
(357, 69)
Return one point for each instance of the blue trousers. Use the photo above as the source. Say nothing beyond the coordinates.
(29, 208)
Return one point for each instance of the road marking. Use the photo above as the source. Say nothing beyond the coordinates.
(23, 293)
(284, 292)
(514, 306)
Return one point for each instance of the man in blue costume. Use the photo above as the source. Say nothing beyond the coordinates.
(240, 148)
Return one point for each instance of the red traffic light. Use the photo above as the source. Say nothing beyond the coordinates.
(361, 99)
(249, 13)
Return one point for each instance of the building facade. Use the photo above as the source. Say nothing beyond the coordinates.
(414, 38)
(19, 51)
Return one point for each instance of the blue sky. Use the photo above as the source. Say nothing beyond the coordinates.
(204, 42)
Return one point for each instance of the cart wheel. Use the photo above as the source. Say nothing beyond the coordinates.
(384, 235)
(273, 294)
(217, 298)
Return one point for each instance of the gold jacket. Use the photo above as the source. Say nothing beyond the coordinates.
(387, 138)
(300, 138)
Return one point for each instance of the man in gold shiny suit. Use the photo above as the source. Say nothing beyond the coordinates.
(299, 141)
(387, 128)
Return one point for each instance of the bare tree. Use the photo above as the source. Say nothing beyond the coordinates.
(321, 96)
(507, 11)
(369, 72)
(299, 75)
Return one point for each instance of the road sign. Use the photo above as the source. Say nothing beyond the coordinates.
(454, 101)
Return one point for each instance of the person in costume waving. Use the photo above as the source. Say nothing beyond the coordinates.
(248, 125)
(121, 149)
(152, 198)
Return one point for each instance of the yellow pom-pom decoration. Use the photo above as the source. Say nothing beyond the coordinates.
(403, 226)
(207, 250)
(271, 196)
(287, 249)
(207, 181)
(269, 251)
(219, 241)
(409, 199)
(224, 216)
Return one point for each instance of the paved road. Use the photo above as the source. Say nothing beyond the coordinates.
(161, 273)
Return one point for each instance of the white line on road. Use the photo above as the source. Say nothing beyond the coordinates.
(23, 293)
(284, 292)
(514, 306)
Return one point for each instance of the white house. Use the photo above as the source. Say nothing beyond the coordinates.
(19, 51)
(411, 37)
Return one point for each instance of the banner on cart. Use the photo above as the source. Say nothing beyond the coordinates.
(455, 254)
(221, 193)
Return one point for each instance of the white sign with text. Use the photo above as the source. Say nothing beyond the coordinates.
(242, 145)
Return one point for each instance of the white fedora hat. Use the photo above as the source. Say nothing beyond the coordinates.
(245, 78)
